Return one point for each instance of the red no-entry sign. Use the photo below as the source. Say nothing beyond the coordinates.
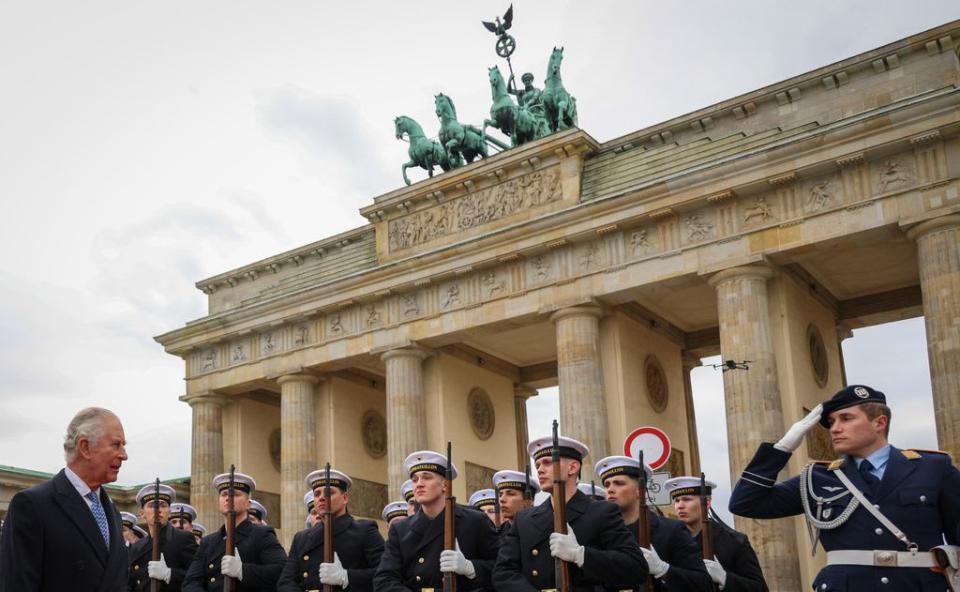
(654, 443)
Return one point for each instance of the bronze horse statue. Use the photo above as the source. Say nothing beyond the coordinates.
(560, 106)
(520, 123)
(423, 151)
(462, 142)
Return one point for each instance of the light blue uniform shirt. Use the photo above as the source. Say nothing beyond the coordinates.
(879, 461)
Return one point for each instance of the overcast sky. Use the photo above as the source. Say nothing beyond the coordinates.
(147, 145)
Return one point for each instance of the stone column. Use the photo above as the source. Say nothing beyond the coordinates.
(406, 410)
(206, 455)
(583, 409)
(753, 406)
(298, 448)
(520, 395)
(689, 362)
(938, 251)
(844, 332)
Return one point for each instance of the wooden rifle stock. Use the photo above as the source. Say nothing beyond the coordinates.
(230, 584)
(706, 530)
(155, 533)
(327, 528)
(449, 522)
(561, 572)
(643, 523)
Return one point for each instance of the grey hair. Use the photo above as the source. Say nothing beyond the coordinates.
(87, 423)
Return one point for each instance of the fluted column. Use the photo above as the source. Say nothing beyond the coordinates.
(520, 395)
(206, 455)
(298, 448)
(406, 410)
(938, 253)
(583, 409)
(754, 409)
(689, 362)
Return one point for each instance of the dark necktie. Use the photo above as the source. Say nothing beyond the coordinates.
(868, 478)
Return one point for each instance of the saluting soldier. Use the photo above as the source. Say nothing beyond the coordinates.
(394, 512)
(258, 556)
(176, 546)
(357, 543)
(414, 558)
(735, 567)
(876, 510)
(485, 500)
(129, 522)
(673, 559)
(256, 513)
(199, 531)
(516, 491)
(182, 516)
(597, 546)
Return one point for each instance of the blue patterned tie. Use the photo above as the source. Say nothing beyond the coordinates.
(100, 516)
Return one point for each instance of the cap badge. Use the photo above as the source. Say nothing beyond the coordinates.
(861, 392)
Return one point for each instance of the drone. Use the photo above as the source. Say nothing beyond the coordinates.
(733, 365)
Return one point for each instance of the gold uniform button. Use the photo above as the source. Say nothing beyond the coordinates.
(306, 575)
(210, 566)
(136, 568)
(535, 552)
(213, 580)
(421, 560)
(535, 573)
(306, 558)
(418, 578)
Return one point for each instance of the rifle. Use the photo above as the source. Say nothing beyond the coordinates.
(449, 523)
(229, 584)
(528, 491)
(593, 489)
(643, 523)
(155, 533)
(327, 526)
(561, 572)
(497, 518)
(706, 531)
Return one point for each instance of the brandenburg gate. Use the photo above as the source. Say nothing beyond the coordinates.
(762, 228)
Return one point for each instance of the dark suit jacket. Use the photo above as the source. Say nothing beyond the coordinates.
(51, 543)
(673, 543)
(177, 547)
(734, 552)
(611, 557)
(411, 557)
(358, 545)
(259, 550)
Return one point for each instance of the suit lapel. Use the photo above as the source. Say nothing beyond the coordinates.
(430, 530)
(576, 507)
(898, 469)
(541, 518)
(118, 558)
(80, 514)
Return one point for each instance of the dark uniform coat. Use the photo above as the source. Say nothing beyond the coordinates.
(734, 552)
(611, 557)
(178, 548)
(919, 493)
(51, 542)
(411, 558)
(673, 543)
(358, 545)
(260, 551)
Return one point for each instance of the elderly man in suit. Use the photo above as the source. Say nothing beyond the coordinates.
(65, 533)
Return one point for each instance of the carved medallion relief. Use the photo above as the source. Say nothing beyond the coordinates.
(818, 355)
(656, 380)
(373, 428)
(483, 418)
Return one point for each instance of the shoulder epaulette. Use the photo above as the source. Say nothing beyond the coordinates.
(835, 464)
(820, 462)
(914, 453)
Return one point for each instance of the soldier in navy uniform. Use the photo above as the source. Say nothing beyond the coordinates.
(256, 513)
(674, 561)
(394, 512)
(414, 557)
(182, 516)
(258, 556)
(357, 543)
(593, 491)
(735, 567)
(485, 500)
(309, 502)
(129, 522)
(597, 547)
(516, 491)
(918, 493)
(199, 531)
(177, 547)
(406, 490)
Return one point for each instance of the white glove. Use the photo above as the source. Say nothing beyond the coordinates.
(158, 570)
(566, 547)
(454, 561)
(794, 436)
(658, 567)
(333, 574)
(716, 571)
(231, 565)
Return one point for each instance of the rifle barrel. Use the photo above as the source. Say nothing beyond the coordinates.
(561, 573)
(449, 521)
(155, 534)
(229, 584)
(327, 526)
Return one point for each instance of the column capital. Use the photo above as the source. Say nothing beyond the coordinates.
(928, 226)
(759, 271)
(584, 310)
(298, 377)
(204, 397)
(407, 351)
(521, 391)
(844, 331)
(690, 361)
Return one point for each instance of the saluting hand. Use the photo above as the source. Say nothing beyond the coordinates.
(333, 574)
(158, 570)
(454, 561)
(566, 547)
(716, 571)
(230, 565)
(794, 436)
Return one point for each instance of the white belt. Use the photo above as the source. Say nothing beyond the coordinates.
(881, 558)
